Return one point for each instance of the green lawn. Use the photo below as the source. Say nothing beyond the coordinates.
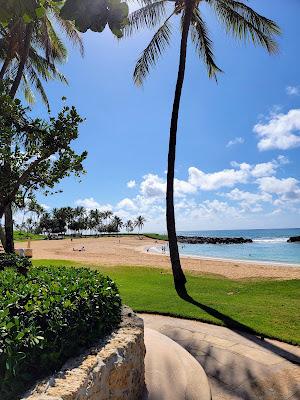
(20, 236)
(269, 307)
(156, 236)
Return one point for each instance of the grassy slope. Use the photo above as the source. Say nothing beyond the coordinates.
(23, 236)
(269, 307)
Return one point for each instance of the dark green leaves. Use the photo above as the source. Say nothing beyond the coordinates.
(96, 14)
(203, 43)
(40, 152)
(47, 317)
(244, 23)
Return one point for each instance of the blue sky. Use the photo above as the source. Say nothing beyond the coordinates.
(238, 140)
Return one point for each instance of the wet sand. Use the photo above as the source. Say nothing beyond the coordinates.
(132, 251)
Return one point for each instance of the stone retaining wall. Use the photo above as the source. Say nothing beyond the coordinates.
(113, 370)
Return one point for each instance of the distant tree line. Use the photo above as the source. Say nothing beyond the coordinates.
(76, 221)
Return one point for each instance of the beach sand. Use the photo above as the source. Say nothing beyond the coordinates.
(132, 251)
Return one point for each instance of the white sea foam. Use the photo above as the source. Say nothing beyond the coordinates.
(271, 240)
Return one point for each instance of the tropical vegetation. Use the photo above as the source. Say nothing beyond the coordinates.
(238, 304)
(239, 20)
(78, 220)
(48, 316)
(36, 154)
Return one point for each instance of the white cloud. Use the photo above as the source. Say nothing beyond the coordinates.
(131, 184)
(217, 180)
(280, 132)
(126, 204)
(264, 169)
(248, 197)
(278, 186)
(237, 140)
(153, 186)
(293, 90)
(287, 190)
(90, 203)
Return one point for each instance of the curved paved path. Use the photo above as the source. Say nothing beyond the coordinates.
(239, 366)
(168, 371)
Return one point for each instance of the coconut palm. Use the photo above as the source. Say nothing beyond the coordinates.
(139, 223)
(116, 223)
(239, 19)
(129, 226)
(107, 215)
(32, 51)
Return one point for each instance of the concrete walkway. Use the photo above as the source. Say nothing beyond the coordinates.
(239, 366)
(171, 372)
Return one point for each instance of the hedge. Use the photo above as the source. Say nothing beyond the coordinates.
(48, 316)
(21, 264)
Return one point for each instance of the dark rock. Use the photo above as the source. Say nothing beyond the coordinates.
(212, 240)
(294, 239)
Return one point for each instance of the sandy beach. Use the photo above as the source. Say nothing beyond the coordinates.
(131, 251)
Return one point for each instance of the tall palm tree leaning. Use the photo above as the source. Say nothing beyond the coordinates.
(239, 19)
(21, 48)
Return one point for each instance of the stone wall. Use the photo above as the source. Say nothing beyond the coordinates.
(113, 370)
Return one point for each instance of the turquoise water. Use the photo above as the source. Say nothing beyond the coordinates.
(268, 245)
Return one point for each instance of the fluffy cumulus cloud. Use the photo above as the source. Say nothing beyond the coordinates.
(217, 180)
(247, 190)
(126, 204)
(281, 131)
(286, 187)
(248, 198)
(131, 184)
(236, 140)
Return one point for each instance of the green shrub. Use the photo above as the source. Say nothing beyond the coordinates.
(48, 316)
(21, 264)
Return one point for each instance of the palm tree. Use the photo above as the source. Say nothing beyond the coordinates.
(21, 45)
(31, 51)
(117, 223)
(139, 223)
(107, 215)
(239, 19)
(129, 226)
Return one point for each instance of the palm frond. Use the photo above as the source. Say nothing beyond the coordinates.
(28, 93)
(46, 69)
(149, 16)
(150, 55)
(203, 43)
(245, 23)
(72, 33)
(37, 83)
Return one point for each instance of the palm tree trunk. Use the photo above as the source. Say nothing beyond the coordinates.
(178, 275)
(24, 57)
(9, 230)
(9, 226)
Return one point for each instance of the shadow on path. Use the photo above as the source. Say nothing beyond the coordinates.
(240, 328)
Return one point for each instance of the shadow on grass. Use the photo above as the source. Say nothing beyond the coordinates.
(240, 328)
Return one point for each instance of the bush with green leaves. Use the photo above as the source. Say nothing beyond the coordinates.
(10, 260)
(48, 316)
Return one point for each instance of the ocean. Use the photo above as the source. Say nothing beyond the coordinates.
(268, 245)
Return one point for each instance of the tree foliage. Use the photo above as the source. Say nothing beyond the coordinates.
(87, 14)
(39, 152)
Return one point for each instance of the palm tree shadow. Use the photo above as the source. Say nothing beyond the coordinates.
(240, 328)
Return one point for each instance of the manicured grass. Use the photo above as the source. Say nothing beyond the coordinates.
(20, 236)
(156, 236)
(271, 308)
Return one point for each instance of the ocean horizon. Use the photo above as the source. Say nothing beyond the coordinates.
(269, 245)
